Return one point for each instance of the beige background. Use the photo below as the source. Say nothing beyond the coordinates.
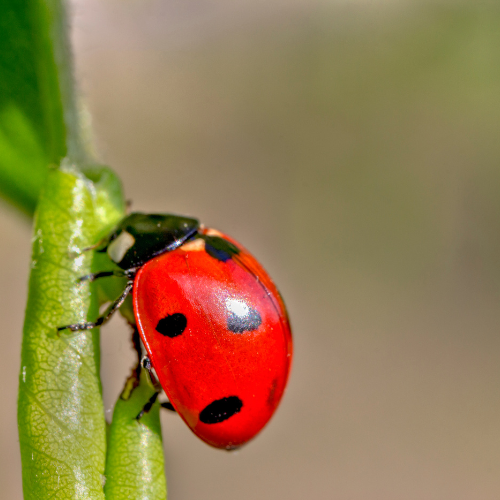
(354, 147)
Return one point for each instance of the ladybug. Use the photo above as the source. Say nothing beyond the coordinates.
(213, 323)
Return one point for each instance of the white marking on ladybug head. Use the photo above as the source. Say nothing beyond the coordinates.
(213, 232)
(237, 307)
(197, 245)
(119, 246)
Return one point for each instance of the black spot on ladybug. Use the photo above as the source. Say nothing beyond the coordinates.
(220, 410)
(219, 248)
(172, 325)
(248, 322)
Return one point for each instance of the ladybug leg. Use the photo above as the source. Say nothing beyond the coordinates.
(75, 327)
(102, 274)
(146, 364)
(96, 246)
(167, 405)
(119, 273)
(147, 406)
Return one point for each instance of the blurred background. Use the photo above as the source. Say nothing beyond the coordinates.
(354, 147)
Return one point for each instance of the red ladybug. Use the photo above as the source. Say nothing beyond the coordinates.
(212, 321)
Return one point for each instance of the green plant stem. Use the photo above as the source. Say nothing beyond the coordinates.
(134, 464)
(60, 410)
(77, 147)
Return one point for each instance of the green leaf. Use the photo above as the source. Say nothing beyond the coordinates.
(23, 161)
(60, 410)
(134, 464)
(37, 112)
